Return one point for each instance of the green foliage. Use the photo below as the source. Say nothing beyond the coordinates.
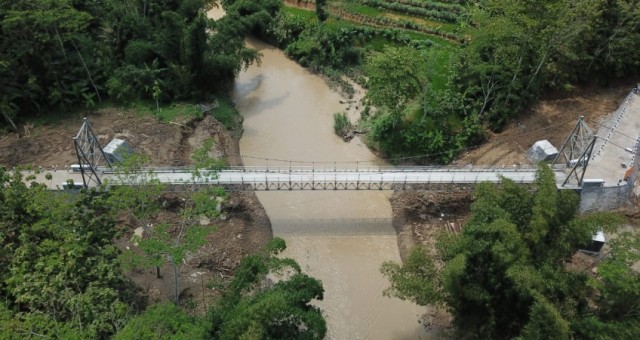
(341, 124)
(504, 276)
(256, 15)
(321, 47)
(321, 10)
(227, 114)
(64, 54)
(396, 77)
(163, 321)
(278, 310)
(59, 270)
(416, 280)
(545, 322)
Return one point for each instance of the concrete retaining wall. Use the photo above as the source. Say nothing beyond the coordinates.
(604, 198)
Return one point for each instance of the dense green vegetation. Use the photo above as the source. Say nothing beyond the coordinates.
(486, 60)
(71, 53)
(251, 309)
(62, 277)
(506, 276)
(248, 309)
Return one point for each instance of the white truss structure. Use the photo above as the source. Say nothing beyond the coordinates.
(576, 152)
(89, 154)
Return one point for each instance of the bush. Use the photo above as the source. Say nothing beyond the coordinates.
(341, 124)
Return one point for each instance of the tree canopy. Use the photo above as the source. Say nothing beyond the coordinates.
(505, 275)
(486, 61)
(254, 307)
(59, 271)
(65, 53)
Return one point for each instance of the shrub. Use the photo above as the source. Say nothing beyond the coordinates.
(341, 124)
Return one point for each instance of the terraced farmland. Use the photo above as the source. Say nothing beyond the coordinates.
(433, 19)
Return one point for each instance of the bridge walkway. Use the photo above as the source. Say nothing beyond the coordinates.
(314, 178)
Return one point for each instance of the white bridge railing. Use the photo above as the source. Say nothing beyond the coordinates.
(314, 178)
(341, 168)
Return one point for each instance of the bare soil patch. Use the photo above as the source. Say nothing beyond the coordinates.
(551, 119)
(243, 228)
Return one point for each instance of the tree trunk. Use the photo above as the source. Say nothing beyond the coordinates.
(10, 121)
(158, 276)
(176, 272)
(87, 70)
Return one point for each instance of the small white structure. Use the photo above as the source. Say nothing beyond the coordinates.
(116, 150)
(542, 151)
(597, 242)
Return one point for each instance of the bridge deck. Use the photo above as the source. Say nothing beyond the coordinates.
(379, 178)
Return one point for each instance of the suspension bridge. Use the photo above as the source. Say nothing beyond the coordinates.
(317, 178)
(94, 168)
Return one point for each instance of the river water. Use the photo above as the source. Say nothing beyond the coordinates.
(339, 237)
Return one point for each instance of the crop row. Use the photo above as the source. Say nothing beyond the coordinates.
(439, 14)
(396, 23)
(393, 34)
(426, 4)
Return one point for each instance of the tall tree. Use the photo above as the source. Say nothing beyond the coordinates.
(164, 321)
(250, 309)
(321, 10)
(504, 276)
(396, 76)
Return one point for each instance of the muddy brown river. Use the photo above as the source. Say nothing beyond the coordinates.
(339, 237)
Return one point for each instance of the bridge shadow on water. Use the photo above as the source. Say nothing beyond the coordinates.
(333, 227)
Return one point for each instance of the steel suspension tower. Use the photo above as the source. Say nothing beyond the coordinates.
(89, 154)
(576, 152)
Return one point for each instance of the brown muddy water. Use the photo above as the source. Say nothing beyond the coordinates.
(339, 237)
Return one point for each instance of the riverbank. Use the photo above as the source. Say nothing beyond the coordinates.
(243, 229)
(416, 216)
